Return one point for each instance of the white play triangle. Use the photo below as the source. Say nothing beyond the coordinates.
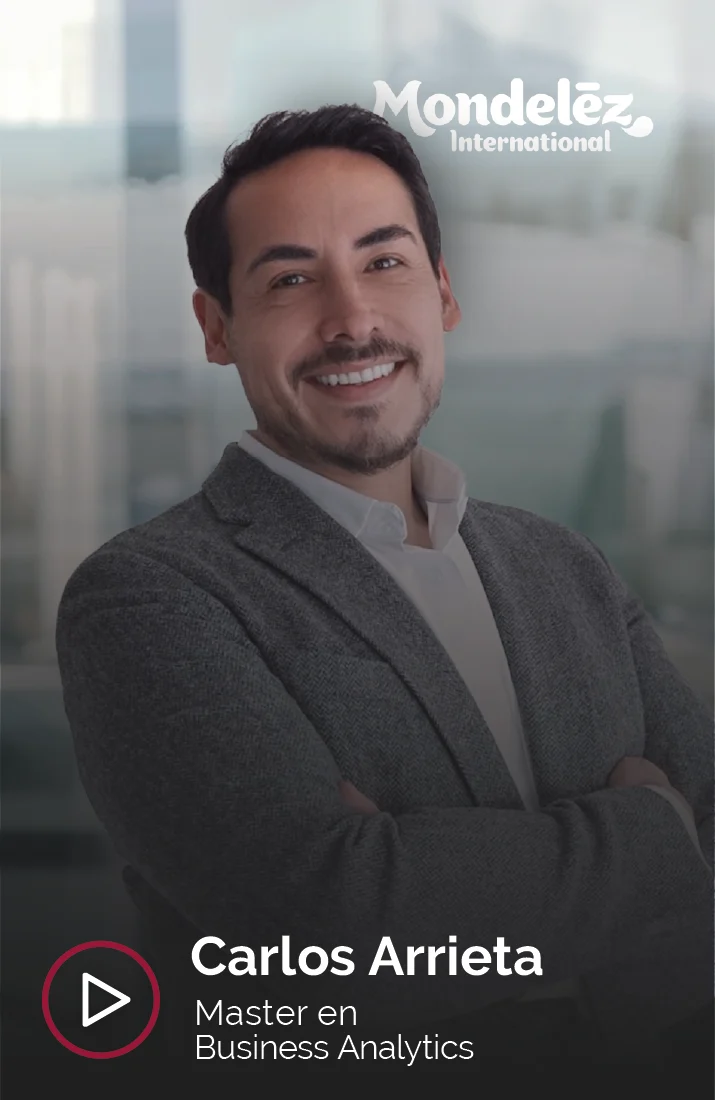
(121, 1000)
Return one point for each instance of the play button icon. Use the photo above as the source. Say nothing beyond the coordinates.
(120, 1001)
(85, 989)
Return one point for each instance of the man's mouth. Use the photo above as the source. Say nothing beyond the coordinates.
(366, 381)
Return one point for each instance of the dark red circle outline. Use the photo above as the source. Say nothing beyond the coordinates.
(86, 947)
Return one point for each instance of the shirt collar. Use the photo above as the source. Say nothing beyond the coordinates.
(438, 483)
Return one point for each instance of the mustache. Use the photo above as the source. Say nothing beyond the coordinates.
(336, 355)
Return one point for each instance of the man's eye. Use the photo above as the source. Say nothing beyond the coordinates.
(283, 281)
(391, 260)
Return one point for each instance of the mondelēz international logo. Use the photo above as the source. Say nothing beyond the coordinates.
(579, 106)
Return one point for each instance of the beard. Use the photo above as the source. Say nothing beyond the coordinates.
(369, 449)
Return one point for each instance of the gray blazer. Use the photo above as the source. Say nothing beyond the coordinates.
(227, 662)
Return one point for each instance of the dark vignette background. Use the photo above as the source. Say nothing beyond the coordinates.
(580, 383)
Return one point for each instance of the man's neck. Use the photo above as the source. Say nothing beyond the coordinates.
(418, 533)
(393, 486)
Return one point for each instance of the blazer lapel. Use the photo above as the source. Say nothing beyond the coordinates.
(278, 523)
(540, 642)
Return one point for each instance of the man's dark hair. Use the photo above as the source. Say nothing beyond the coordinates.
(277, 136)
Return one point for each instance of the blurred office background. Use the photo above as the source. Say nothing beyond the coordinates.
(580, 383)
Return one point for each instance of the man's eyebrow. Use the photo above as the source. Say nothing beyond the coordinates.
(281, 252)
(383, 234)
(276, 252)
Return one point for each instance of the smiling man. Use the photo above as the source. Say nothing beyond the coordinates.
(332, 697)
(334, 322)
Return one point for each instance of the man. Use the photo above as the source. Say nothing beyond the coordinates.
(331, 697)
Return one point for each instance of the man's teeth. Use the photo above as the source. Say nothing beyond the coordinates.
(357, 378)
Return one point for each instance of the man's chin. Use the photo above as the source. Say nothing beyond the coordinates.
(366, 458)
(359, 448)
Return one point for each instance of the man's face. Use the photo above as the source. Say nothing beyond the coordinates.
(330, 277)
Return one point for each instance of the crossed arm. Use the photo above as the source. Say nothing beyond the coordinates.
(679, 727)
(227, 800)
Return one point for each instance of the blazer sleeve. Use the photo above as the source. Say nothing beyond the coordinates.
(213, 784)
(678, 723)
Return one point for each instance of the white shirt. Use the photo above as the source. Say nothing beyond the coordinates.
(445, 587)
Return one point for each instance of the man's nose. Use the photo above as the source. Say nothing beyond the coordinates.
(348, 313)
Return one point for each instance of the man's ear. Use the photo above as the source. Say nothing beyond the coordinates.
(214, 326)
(451, 313)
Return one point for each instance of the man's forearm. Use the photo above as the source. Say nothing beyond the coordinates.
(584, 883)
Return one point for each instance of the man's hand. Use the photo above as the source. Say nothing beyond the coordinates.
(636, 771)
(355, 799)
